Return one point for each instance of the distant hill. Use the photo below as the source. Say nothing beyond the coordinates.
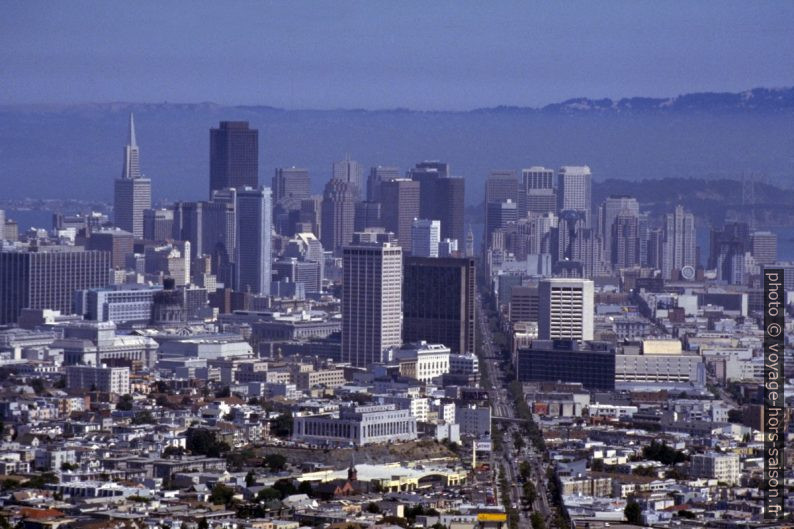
(76, 150)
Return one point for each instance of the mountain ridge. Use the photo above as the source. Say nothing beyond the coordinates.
(759, 98)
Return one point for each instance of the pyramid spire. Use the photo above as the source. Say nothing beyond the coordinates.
(131, 140)
(131, 170)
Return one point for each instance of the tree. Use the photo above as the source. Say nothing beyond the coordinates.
(124, 403)
(268, 494)
(633, 512)
(285, 488)
(202, 524)
(281, 426)
(221, 494)
(524, 470)
(537, 521)
(201, 441)
(275, 462)
(144, 417)
(305, 488)
(250, 479)
(173, 451)
(373, 508)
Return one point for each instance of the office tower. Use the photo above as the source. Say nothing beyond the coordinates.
(294, 270)
(448, 248)
(367, 215)
(643, 236)
(425, 237)
(311, 214)
(441, 168)
(132, 193)
(338, 215)
(118, 243)
(679, 242)
(47, 277)
(470, 243)
(2, 225)
(624, 240)
(158, 224)
(351, 171)
(189, 224)
(371, 301)
(499, 215)
(234, 156)
(764, 247)
(524, 304)
(290, 186)
(565, 309)
(441, 197)
(732, 239)
(536, 192)
(501, 186)
(451, 193)
(655, 249)
(439, 302)
(378, 175)
(574, 190)
(219, 227)
(399, 207)
(253, 262)
(607, 213)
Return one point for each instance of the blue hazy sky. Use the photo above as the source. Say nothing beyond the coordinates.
(422, 55)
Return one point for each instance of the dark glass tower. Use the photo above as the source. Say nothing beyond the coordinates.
(234, 156)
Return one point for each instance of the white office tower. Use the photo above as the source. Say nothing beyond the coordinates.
(574, 190)
(132, 193)
(425, 237)
(254, 225)
(348, 170)
(565, 309)
(371, 300)
(679, 242)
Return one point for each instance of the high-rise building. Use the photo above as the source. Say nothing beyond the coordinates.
(351, 171)
(158, 224)
(501, 186)
(253, 260)
(764, 244)
(338, 215)
(234, 156)
(574, 190)
(290, 186)
(367, 215)
(118, 243)
(311, 214)
(425, 237)
(399, 207)
(565, 309)
(371, 301)
(378, 175)
(439, 302)
(46, 278)
(608, 212)
(499, 215)
(536, 192)
(679, 242)
(132, 193)
(441, 197)
(624, 240)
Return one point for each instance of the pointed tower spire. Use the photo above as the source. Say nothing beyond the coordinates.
(131, 170)
(131, 140)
